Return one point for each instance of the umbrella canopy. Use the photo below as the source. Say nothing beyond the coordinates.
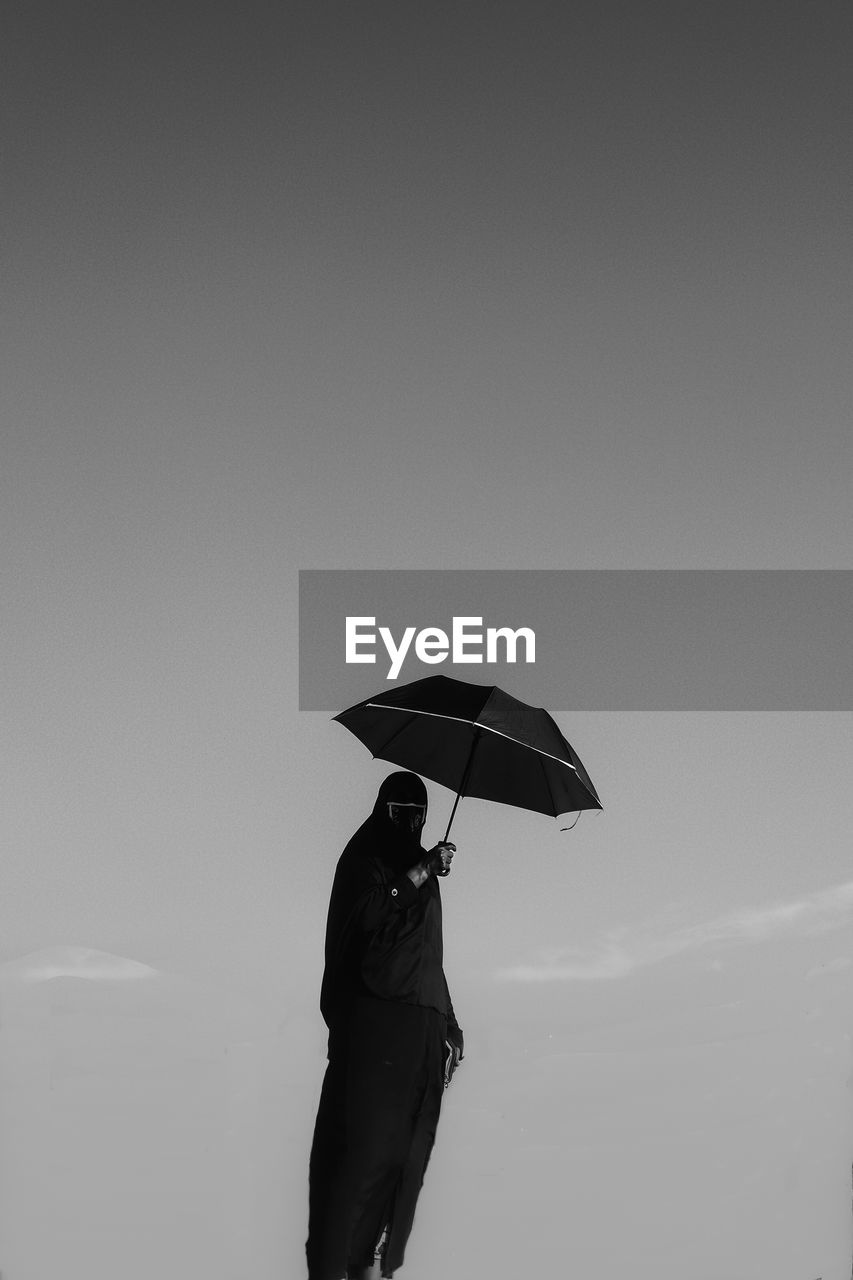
(478, 741)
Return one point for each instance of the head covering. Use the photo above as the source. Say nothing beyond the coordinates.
(397, 846)
(400, 788)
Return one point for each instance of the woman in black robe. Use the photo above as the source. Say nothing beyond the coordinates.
(394, 1041)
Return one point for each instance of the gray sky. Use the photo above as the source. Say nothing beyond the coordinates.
(435, 286)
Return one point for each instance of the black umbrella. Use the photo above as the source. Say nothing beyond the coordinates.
(476, 740)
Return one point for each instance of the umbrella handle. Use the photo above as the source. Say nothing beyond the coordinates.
(477, 735)
(450, 819)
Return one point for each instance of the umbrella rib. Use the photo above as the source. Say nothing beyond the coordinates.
(387, 741)
(529, 747)
(437, 715)
(416, 711)
(544, 773)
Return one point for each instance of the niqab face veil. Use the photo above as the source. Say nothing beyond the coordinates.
(399, 845)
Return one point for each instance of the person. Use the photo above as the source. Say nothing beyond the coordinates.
(394, 1041)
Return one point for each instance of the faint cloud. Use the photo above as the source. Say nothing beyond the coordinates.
(620, 952)
(832, 966)
(609, 960)
(74, 962)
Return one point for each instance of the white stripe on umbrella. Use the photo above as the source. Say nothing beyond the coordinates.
(436, 715)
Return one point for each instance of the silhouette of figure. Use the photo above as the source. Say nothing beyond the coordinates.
(394, 1042)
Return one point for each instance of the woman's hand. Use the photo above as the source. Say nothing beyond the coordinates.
(439, 858)
(454, 1044)
(435, 863)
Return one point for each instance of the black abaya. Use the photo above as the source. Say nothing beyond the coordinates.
(388, 1009)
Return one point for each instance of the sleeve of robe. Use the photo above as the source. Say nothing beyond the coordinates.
(453, 1028)
(370, 903)
(368, 906)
